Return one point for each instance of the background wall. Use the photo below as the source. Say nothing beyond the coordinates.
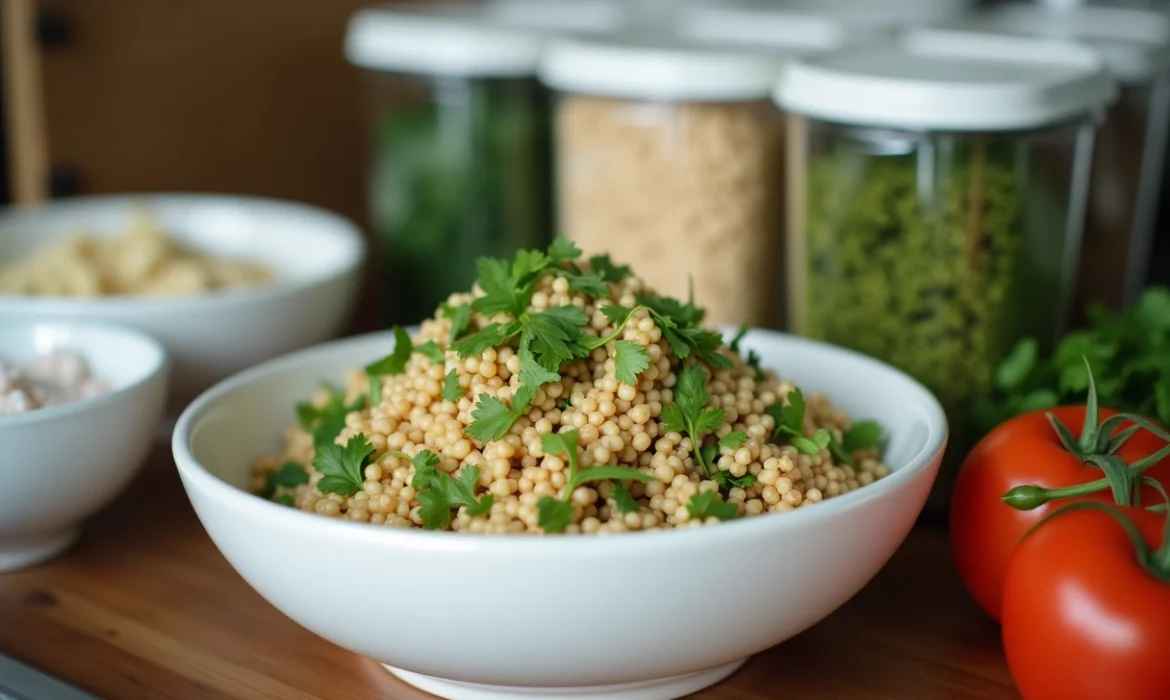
(240, 96)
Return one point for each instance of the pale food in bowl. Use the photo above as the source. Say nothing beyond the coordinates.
(142, 261)
(212, 321)
(591, 405)
(674, 608)
(64, 461)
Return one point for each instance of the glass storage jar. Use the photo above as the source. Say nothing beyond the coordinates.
(927, 225)
(1130, 152)
(460, 153)
(668, 157)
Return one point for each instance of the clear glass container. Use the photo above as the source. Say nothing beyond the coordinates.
(460, 143)
(937, 186)
(1126, 180)
(684, 190)
(935, 252)
(669, 157)
(460, 169)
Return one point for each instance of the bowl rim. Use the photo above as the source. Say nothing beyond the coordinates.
(338, 226)
(198, 477)
(159, 366)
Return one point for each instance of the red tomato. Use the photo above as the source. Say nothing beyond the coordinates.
(1024, 450)
(1082, 619)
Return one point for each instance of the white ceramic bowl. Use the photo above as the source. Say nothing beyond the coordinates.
(63, 463)
(315, 255)
(637, 616)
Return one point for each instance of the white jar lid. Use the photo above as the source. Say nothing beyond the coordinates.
(1134, 43)
(766, 24)
(440, 39)
(657, 68)
(949, 80)
(890, 13)
(561, 15)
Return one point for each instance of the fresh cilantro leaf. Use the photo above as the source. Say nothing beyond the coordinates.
(592, 474)
(682, 314)
(672, 419)
(861, 436)
(734, 440)
(709, 453)
(492, 419)
(288, 476)
(525, 269)
(444, 493)
(431, 350)
(451, 390)
(563, 403)
(709, 420)
(555, 514)
(561, 443)
(623, 499)
(495, 279)
(394, 363)
(425, 473)
(563, 250)
(790, 425)
(532, 373)
(1016, 367)
(630, 360)
(490, 336)
(460, 319)
(688, 412)
(708, 503)
(590, 284)
(608, 271)
(616, 313)
(743, 330)
(435, 511)
(727, 482)
(285, 499)
(343, 467)
(325, 423)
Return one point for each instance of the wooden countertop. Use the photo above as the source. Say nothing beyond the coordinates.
(144, 606)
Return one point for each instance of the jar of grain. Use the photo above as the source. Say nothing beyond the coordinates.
(927, 227)
(668, 156)
(460, 161)
(1130, 152)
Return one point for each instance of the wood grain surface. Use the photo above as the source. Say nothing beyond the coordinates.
(144, 606)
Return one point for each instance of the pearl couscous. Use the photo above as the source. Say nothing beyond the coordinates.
(516, 482)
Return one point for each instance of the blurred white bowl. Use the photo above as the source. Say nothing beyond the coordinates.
(63, 463)
(632, 616)
(316, 257)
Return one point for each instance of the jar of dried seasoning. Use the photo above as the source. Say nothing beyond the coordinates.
(668, 156)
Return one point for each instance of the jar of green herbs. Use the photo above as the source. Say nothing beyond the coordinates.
(461, 165)
(927, 225)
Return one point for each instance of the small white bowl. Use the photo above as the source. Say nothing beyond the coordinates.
(640, 616)
(316, 257)
(63, 463)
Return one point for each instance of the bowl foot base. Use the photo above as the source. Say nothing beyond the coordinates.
(660, 689)
(27, 552)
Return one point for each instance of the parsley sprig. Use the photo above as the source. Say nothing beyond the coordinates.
(395, 362)
(557, 513)
(343, 467)
(790, 428)
(439, 493)
(689, 414)
(326, 422)
(708, 503)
